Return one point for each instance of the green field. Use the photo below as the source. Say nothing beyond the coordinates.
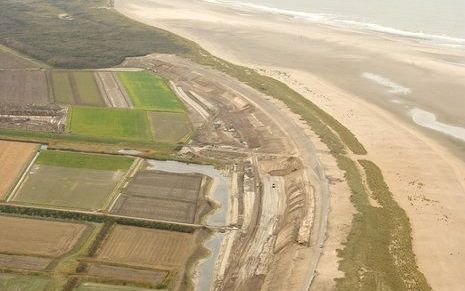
(85, 161)
(10, 282)
(170, 127)
(76, 88)
(120, 124)
(150, 92)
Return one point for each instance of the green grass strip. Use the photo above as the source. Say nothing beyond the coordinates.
(85, 161)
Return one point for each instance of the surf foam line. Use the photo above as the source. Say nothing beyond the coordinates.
(344, 21)
(428, 120)
(394, 88)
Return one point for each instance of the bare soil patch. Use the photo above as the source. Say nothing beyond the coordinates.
(159, 209)
(24, 262)
(14, 157)
(38, 237)
(23, 87)
(150, 248)
(163, 196)
(118, 273)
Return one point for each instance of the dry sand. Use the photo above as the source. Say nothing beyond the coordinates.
(370, 82)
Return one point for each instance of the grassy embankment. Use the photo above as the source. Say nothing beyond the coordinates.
(378, 229)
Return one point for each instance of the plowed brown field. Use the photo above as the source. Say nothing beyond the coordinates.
(161, 196)
(38, 237)
(127, 274)
(14, 157)
(23, 87)
(149, 248)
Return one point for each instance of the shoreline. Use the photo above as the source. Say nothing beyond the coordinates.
(342, 21)
(427, 180)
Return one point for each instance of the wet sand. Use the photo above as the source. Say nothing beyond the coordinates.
(384, 89)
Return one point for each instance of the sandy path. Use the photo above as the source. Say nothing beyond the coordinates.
(327, 66)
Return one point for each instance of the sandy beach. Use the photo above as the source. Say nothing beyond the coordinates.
(402, 98)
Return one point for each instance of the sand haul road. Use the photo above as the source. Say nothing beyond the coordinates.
(312, 166)
(305, 150)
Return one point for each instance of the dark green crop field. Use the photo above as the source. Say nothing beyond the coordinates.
(79, 33)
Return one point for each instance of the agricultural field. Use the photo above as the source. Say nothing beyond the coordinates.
(8, 261)
(72, 180)
(161, 196)
(149, 248)
(23, 87)
(170, 127)
(125, 274)
(14, 158)
(42, 238)
(11, 60)
(115, 94)
(150, 92)
(76, 88)
(10, 282)
(113, 123)
(88, 286)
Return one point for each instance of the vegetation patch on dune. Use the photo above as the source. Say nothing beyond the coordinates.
(378, 253)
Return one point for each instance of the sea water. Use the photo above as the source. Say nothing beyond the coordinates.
(439, 21)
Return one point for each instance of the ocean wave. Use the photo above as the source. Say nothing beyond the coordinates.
(394, 88)
(342, 21)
